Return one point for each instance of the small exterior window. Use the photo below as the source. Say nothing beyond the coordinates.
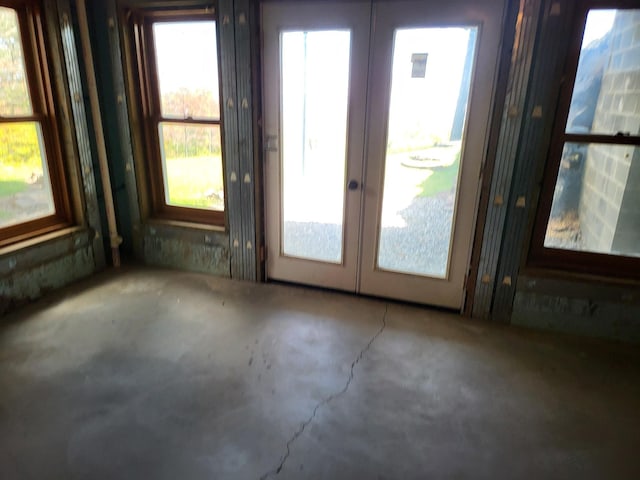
(32, 187)
(589, 219)
(178, 65)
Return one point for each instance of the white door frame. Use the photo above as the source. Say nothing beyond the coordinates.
(488, 16)
(370, 78)
(277, 17)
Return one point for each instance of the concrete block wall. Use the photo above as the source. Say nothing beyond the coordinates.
(627, 237)
(610, 196)
(604, 184)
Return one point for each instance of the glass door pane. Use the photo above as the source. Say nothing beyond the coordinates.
(431, 78)
(315, 94)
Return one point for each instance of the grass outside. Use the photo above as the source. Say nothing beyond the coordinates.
(11, 187)
(13, 178)
(443, 179)
(196, 182)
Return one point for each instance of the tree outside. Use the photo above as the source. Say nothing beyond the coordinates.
(25, 192)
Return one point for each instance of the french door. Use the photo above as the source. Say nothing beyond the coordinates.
(375, 120)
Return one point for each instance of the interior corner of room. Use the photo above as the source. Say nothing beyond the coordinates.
(475, 171)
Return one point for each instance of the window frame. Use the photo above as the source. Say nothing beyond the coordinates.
(151, 112)
(564, 259)
(40, 87)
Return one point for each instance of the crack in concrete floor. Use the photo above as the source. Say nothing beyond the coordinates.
(327, 400)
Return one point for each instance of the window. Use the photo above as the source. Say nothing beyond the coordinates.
(589, 216)
(32, 198)
(178, 66)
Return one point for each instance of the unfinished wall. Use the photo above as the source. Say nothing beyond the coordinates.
(508, 290)
(591, 305)
(231, 251)
(578, 306)
(31, 271)
(31, 268)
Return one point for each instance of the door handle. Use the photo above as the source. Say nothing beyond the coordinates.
(352, 185)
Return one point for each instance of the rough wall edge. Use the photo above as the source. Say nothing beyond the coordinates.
(594, 288)
(43, 250)
(23, 286)
(535, 139)
(179, 254)
(244, 100)
(124, 129)
(81, 129)
(582, 316)
(186, 233)
(233, 176)
(504, 164)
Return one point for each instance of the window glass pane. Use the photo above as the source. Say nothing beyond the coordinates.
(606, 96)
(315, 97)
(596, 203)
(187, 61)
(25, 188)
(431, 81)
(192, 165)
(14, 93)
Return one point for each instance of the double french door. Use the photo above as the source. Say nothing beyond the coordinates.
(375, 120)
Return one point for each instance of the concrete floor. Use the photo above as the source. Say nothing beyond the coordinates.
(153, 374)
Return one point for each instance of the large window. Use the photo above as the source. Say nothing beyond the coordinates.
(589, 217)
(178, 66)
(32, 199)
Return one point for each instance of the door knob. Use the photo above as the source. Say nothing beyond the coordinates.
(352, 185)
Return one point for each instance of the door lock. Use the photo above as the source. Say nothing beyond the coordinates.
(352, 185)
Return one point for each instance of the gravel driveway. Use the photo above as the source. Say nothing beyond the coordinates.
(420, 246)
